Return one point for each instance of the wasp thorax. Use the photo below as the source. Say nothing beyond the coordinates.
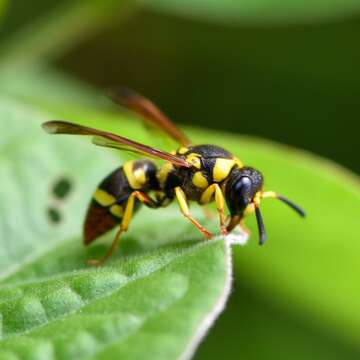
(241, 189)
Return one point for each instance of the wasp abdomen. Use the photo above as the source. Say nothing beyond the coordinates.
(109, 201)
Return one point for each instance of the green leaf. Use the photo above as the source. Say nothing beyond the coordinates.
(160, 292)
(26, 192)
(260, 329)
(258, 11)
(319, 255)
(157, 299)
(308, 268)
(43, 87)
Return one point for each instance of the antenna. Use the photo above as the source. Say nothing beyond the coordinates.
(261, 227)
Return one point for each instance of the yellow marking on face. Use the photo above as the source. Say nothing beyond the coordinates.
(194, 160)
(199, 180)
(117, 210)
(238, 162)
(182, 150)
(103, 198)
(257, 198)
(222, 169)
(163, 173)
(249, 209)
(137, 177)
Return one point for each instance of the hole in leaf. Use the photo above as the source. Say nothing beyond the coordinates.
(54, 215)
(62, 188)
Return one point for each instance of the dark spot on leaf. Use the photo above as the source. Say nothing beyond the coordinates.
(62, 188)
(54, 215)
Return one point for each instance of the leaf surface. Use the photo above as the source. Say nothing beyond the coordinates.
(162, 292)
(307, 253)
(318, 253)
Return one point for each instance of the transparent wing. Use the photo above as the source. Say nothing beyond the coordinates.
(107, 139)
(151, 114)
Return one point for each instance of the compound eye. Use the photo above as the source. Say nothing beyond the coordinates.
(244, 183)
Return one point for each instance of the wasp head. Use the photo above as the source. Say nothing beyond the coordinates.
(242, 188)
(244, 191)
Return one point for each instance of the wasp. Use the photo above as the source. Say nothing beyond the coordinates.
(192, 173)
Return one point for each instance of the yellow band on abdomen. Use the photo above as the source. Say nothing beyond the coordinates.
(103, 198)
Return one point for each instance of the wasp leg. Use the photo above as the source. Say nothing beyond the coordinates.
(234, 221)
(181, 198)
(219, 201)
(128, 213)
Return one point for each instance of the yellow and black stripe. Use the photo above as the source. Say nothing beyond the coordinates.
(211, 164)
(108, 204)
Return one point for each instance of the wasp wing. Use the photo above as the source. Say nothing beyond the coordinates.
(149, 112)
(107, 139)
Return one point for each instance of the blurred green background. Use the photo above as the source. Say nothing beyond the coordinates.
(285, 72)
